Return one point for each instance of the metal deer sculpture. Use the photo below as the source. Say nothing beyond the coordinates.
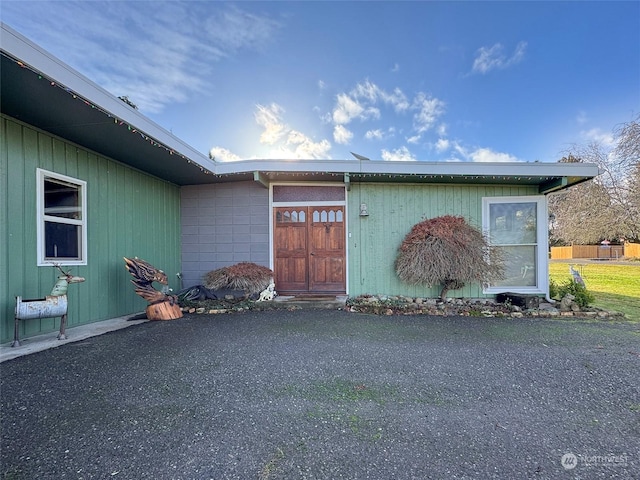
(52, 306)
(161, 305)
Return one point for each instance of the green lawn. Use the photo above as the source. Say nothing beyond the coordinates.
(616, 287)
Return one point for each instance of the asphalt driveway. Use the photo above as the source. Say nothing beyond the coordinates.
(328, 395)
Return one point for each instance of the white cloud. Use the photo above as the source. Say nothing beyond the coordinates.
(269, 118)
(367, 90)
(374, 134)
(321, 85)
(380, 134)
(397, 99)
(442, 145)
(371, 92)
(460, 150)
(396, 68)
(491, 58)
(155, 54)
(220, 154)
(285, 142)
(401, 154)
(488, 58)
(346, 109)
(306, 147)
(361, 102)
(488, 155)
(429, 110)
(597, 135)
(233, 28)
(342, 135)
(371, 113)
(326, 118)
(518, 54)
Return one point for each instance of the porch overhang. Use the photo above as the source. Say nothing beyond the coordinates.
(547, 177)
(553, 185)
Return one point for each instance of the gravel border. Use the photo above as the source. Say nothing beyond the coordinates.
(322, 394)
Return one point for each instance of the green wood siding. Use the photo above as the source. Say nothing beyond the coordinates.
(395, 208)
(129, 214)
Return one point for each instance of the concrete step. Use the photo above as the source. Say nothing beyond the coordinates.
(332, 302)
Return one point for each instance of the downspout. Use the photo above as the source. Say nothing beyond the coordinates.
(547, 296)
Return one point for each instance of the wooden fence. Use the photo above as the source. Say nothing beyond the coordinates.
(632, 250)
(596, 251)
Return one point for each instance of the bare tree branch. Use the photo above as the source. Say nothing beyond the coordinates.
(607, 208)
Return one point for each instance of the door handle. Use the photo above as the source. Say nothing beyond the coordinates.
(312, 253)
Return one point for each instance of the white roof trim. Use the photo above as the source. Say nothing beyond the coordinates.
(484, 169)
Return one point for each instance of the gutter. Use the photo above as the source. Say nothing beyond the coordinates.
(547, 296)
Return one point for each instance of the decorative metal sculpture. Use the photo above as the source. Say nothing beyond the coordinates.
(576, 276)
(162, 306)
(52, 306)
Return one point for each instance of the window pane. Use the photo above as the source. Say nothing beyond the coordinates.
(62, 199)
(62, 229)
(513, 223)
(62, 240)
(302, 193)
(520, 267)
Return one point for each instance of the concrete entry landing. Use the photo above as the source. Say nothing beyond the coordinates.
(333, 302)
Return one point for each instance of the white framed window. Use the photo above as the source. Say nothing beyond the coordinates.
(518, 226)
(62, 219)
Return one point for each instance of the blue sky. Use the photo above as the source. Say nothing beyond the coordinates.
(425, 81)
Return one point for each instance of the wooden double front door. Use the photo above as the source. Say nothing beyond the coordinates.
(309, 250)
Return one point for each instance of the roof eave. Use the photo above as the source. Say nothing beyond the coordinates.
(30, 55)
(548, 176)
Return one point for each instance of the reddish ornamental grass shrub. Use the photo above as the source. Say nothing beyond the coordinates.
(446, 251)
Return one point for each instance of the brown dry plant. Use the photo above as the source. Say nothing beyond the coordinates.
(447, 251)
(246, 276)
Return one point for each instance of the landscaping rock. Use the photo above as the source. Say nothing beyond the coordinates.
(399, 304)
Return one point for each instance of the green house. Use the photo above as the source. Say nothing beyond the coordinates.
(86, 180)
